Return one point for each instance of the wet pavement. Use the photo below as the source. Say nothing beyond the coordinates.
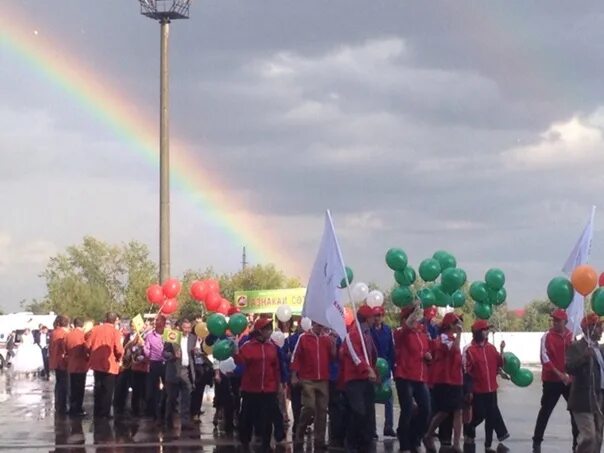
(28, 424)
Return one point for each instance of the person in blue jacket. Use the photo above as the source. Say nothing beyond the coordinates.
(382, 337)
(295, 390)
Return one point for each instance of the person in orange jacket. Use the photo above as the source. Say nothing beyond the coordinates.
(77, 366)
(106, 351)
(360, 376)
(58, 363)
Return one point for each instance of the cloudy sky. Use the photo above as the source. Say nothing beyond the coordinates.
(475, 127)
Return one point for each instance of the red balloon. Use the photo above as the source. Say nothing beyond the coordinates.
(155, 294)
(212, 285)
(171, 288)
(348, 316)
(213, 301)
(199, 290)
(601, 279)
(224, 307)
(169, 306)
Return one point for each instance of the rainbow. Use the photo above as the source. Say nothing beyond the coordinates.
(106, 104)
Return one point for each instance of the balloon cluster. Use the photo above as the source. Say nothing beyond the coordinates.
(446, 293)
(165, 295)
(584, 280)
(207, 292)
(489, 293)
(522, 377)
(383, 391)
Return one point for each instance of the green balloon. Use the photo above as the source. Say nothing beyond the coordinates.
(429, 270)
(445, 259)
(382, 367)
(478, 292)
(458, 299)
(402, 296)
(483, 311)
(501, 296)
(405, 277)
(350, 276)
(492, 296)
(511, 363)
(217, 324)
(523, 377)
(237, 323)
(452, 279)
(442, 298)
(223, 349)
(426, 295)
(597, 302)
(560, 292)
(495, 279)
(383, 393)
(396, 259)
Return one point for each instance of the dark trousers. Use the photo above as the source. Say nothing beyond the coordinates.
(61, 391)
(485, 408)
(552, 391)
(445, 430)
(104, 384)
(359, 427)
(257, 411)
(156, 375)
(46, 372)
(179, 390)
(197, 398)
(296, 399)
(77, 383)
(337, 414)
(412, 427)
(139, 382)
(122, 386)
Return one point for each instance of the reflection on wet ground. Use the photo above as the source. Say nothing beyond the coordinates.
(28, 424)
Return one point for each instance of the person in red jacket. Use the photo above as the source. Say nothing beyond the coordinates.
(57, 359)
(448, 381)
(482, 363)
(359, 355)
(106, 351)
(77, 366)
(556, 382)
(310, 369)
(259, 384)
(411, 359)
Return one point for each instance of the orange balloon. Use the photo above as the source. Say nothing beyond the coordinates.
(584, 279)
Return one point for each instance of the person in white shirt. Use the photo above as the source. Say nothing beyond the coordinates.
(41, 338)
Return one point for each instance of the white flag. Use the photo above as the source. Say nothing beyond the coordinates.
(579, 255)
(321, 303)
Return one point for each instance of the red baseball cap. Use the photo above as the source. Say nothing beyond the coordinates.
(430, 312)
(365, 311)
(590, 320)
(480, 324)
(261, 323)
(378, 311)
(449, 319)
(560, 314)
(406, 311)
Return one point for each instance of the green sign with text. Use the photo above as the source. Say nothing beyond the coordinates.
(267, 301)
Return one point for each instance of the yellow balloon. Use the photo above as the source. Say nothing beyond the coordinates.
(207, 349)
(201, 330)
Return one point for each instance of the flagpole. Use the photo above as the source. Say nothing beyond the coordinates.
(348, 287)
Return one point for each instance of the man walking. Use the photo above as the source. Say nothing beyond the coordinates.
(154, 352)
(106, 351)
(58, 363)
(310, 370)
(556, 382)
(41, 339)
(77, 366)
(585, 364)
(180, 376)
(382, 337)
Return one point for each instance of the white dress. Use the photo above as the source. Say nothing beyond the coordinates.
(28, 358)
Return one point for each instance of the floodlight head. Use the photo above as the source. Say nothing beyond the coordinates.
(165, 10)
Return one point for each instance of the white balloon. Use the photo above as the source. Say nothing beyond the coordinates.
(227, 366)
(375, 299)
(284, 313)
(306, 324)
(359, 292)
(278, 338)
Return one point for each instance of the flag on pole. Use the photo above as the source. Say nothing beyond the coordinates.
(579, 255)
(322, 303)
